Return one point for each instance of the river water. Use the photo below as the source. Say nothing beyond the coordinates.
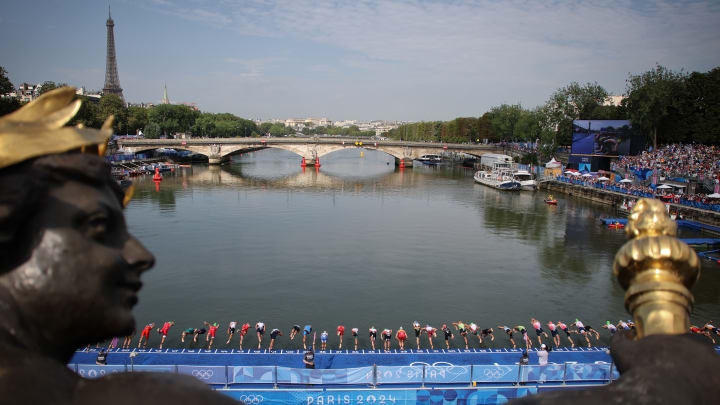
(361, 243)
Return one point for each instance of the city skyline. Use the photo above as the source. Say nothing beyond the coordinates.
(363, 60)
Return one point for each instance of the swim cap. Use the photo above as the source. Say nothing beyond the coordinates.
(607, 322)
(577, 320)
(542, 346)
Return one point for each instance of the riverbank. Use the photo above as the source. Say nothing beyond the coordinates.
(616, 199)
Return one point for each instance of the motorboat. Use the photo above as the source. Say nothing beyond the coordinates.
(430, 159)
(525, 178)
(550, 201)
(497, 179)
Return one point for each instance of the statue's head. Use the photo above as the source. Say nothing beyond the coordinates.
(68, 266)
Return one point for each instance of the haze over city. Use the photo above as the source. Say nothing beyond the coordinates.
(395, 60)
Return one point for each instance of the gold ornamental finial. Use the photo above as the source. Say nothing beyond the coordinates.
(38, 128)
(657, 270)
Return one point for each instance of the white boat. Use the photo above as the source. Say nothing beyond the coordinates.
(525, 179)
(496, 179)
(430, 159)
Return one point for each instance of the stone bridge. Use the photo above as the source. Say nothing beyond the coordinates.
(219, 150)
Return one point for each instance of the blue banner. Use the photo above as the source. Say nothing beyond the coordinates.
(541, 374)
(399, 374)
(447, 374)
(95, 371)
(495, 373)
(206, 374)
(360, 375)
(159, 369)
(253, 374)
(382, 397)
(587, 372)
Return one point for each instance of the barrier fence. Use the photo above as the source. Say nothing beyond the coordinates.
(419, 374)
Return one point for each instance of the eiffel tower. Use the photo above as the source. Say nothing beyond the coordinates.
(112, 81)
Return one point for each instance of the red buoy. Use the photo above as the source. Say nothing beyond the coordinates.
(303, 164)
(402, 164)
(157, 176)
(317, 162)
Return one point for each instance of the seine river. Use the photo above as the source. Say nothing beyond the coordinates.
(360, 243)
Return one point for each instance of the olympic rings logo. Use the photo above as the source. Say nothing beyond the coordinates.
(251, 399)
(203, 374)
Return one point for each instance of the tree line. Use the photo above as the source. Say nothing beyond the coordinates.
(664, 105)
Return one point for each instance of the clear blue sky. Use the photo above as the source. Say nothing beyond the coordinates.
(356, 59)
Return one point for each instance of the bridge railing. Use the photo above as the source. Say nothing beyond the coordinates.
(375, 375)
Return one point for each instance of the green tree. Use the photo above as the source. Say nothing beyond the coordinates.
(573, 102)
(136, 119)
(173, 118)
(5, 85)
(504, 120)
(152, 130)
(111, 104)
(47, 86)
(265, 128)
(649, 99)
(89, 114)
(695, 114)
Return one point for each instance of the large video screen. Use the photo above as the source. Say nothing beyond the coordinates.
(601, 137)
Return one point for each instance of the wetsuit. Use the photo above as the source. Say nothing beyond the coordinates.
(538, 328)
(564, 328)
(448, 333)
(212, 330)
(307, 330)
(146, 331)
(244, 329)
(430, 330)
(232, 327)
(274, 333)
(387, 334)
(323, 337)
(296, 328)
(553, 329)
(417, 328)
(473, 329)
(401, 335)
(166, 327)
(508, 331)
(486, 332)
(354, 332)
(260, 328)
(461, 328)
(373, 333)
(341, 330)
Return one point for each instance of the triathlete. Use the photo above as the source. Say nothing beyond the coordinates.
(306, 331)
(624, 325)
(373, 336)
(294, 331)
(610, 327)
(323, 340)
(554, 334)
(589, 329)
(431, 332)
(710, 328)
(386, 337)
(340, 333)
(355, 336)
(260, 329)
(212, 328)
(192, 331)
(448, 335)
(565, 329)
(243, 331)
(526, 338)
(401, 337)
(145, 334)
(509, 332)
(418, 329)
(128, 340)
(274, 334)
(487, 332)
(581, 330)
(538, 330)
(631, 324)
(474, 330)
(164, 331)
(459, 325)
(231, 331)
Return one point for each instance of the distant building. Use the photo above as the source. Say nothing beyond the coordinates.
(614, 100)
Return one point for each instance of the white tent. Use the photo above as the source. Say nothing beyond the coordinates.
(625, 181)
(553, 164)
(713, 195)
(569, 172)
(603, 178)
(587, 175)
(663, 187)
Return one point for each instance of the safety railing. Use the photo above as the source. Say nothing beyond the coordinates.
(416, 374)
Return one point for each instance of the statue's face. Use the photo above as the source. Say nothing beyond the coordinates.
(84, 273)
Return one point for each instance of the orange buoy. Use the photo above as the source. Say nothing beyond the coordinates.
(157, 176)
(317, 162)
(402, 164)
(303, 164)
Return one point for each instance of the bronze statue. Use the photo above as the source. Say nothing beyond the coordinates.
(659, 361)
(69, 269)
